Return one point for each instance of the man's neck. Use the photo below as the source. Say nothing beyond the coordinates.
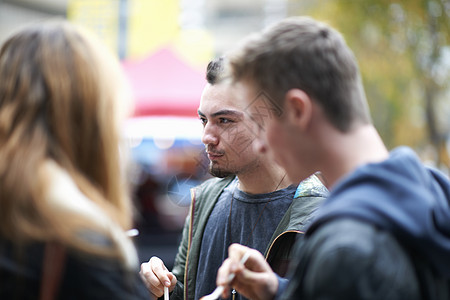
(263, 180)
(351, 151)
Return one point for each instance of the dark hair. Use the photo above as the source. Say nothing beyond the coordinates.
(214, 70)
(302, 53)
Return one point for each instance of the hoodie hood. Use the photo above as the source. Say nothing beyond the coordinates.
(402, 196)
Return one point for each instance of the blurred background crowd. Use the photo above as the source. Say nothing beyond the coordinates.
(403, 47)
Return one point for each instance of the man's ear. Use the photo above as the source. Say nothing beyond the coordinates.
(299, 108)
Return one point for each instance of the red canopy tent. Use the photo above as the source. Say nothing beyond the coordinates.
(163, 85)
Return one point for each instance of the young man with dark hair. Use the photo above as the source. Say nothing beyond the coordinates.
(384, 230)
(251, 201)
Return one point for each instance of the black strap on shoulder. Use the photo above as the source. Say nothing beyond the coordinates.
(52, 270)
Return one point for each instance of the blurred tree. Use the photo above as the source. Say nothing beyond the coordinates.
(404, 51)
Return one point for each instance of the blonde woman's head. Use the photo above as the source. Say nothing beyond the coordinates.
(62, 96)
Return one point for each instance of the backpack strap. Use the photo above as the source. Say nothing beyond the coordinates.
(52, 270)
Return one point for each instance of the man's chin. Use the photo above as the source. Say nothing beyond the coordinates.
(220, 173)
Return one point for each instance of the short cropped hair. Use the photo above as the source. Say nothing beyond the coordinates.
(302, 53)
(215, 70)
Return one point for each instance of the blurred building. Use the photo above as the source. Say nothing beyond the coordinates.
(16, 13)
(226, 21)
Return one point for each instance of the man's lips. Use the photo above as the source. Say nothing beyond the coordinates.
(214, 156)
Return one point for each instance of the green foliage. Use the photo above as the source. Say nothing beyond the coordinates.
(400, 46)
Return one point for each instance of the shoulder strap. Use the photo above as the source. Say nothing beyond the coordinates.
(52, 270)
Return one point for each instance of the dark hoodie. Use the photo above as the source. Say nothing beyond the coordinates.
(402, 196)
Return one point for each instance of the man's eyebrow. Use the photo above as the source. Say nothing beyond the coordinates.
(223, 112)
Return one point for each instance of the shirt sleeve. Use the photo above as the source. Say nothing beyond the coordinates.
(282, 285)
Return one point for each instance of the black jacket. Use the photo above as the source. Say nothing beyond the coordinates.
(83, 277)
(353, 260)
(383, 233)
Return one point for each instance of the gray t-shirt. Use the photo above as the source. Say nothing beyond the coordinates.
(225, 227)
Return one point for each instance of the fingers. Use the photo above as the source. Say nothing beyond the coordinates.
(261, 285)
(255, 262)
(237, 251)
(155, 276)
(229, 266)
(254, 279)
(160, 270)
(232, 264)
(223, 275)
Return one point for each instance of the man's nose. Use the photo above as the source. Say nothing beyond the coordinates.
(210, 135)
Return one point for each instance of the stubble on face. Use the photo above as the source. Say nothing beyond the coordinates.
(234, 154)
(227, 167)
(219, 172)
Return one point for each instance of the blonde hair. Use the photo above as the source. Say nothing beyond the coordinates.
(59, 103)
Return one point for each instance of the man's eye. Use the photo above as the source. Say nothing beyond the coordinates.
(204, 121)
(225, 121)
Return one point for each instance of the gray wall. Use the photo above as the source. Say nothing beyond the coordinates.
(16, 13)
